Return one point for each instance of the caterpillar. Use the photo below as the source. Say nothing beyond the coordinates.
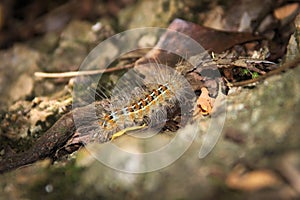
(146, 97)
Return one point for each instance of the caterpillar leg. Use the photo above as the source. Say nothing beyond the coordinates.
(118, 134)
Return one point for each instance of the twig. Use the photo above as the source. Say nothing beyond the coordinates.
(280, 69)
(80, 73)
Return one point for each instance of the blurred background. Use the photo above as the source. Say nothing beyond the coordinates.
(257, 156)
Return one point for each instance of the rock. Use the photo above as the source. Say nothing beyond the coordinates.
(158, 14)
(293, 49)
(23, 87)
(16, 73)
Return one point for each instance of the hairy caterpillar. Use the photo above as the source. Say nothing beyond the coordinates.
(146, 97)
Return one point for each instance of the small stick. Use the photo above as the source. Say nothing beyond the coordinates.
(280, 69)
(80, 73)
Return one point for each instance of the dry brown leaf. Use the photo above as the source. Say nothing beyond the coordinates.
(285, 11)
(204, 103)
(241, 179)
(210, 39)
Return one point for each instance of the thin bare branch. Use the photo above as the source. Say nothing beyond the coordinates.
(81, 73)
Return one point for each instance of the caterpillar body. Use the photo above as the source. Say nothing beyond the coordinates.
(146, 96)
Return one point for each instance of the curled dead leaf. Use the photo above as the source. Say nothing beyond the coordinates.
(204, 103)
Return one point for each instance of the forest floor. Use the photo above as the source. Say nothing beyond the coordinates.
(257, 150)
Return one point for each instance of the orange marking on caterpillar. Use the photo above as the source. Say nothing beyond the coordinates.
(136, 109)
